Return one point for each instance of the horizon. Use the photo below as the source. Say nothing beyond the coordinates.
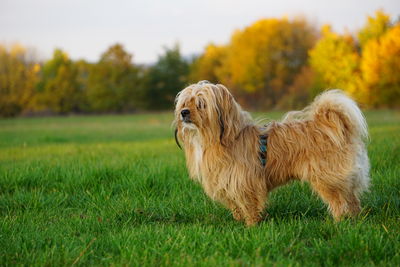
(144, 29)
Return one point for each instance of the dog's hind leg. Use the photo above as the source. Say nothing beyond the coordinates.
(339, 196)
(353, 203)
(360, 181)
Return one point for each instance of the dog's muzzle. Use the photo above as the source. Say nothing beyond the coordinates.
(185, 115)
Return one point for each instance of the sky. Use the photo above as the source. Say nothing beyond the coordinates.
(86, 28)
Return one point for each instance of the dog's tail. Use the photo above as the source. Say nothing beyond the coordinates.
(335, 107)
(337, 114)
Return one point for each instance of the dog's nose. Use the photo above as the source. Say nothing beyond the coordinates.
(185, 113)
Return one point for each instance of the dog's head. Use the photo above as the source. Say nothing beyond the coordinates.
(210, 111)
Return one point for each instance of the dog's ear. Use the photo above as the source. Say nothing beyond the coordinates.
(221, 126)
(226, 115)
(176, 138)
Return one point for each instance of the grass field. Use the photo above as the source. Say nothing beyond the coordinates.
(113, 190)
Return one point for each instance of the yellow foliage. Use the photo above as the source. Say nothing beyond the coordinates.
(58, 90)
(18, 77)
(335, 60)
(263, 59)
(36, 68)
(208, 65)
(374, 27)
(380, 67)
(17, 50)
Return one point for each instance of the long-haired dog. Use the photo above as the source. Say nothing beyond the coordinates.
(239, 162)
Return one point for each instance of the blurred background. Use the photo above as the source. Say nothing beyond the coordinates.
(71, 57)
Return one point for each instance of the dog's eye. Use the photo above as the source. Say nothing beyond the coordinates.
(201, 105)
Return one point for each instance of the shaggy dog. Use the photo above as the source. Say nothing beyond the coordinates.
(239, 162)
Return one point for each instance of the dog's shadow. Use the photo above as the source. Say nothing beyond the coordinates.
(220, 217)
(276, 213)
(283, 213)
(149, 216)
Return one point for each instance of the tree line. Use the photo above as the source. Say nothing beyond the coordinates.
(273, 63)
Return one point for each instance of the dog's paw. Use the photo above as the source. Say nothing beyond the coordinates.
(237, 215)
(252, 221)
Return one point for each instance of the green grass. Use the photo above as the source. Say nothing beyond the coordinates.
(113, 190)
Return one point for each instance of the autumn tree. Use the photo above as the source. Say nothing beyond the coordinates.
(366, 68)
(380, 67)
(113, 82)
(335, 61)
(374, 28)
(274, 62)
(18, 76)
(165, 79)
(263, 59)
(207, 66)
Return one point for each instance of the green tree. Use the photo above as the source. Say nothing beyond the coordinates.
(165, 79)
(18, 76)
(83, 69)
(113, 82)
(58, 89)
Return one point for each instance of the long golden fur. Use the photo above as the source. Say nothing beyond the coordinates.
(323, 144)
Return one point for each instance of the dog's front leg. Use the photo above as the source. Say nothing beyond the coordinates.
(253, 207)
(252, 217)
(235, 209)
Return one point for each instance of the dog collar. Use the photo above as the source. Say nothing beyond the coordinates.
(263, 139)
